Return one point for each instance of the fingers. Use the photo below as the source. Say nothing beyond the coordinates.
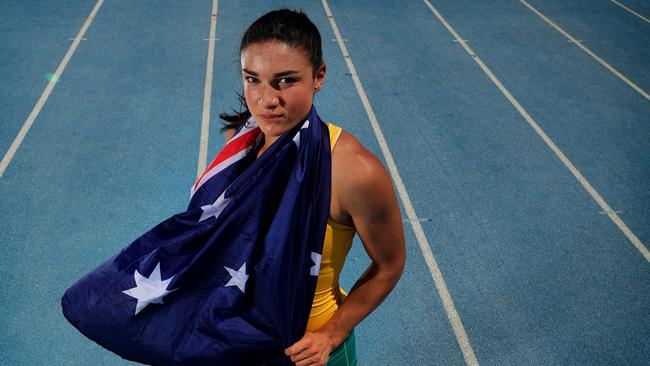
(310, 362)
(303, 352)
(306, 353)
(297, 347)
(310, 357)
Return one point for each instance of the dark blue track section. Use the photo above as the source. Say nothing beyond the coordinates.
(614, 34)
(112, 153)
(527, 256)
(35, 35)
(538, 274)
(521, 243)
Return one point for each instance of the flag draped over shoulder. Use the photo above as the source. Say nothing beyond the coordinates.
(230, 281)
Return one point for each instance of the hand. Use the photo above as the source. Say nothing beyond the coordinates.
(312, 350)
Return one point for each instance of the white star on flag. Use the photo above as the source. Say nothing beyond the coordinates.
(238, 277)
(215, 208)
(315, 257)
(149, 290)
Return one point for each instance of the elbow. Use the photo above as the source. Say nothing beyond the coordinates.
(394, 267)
(400, 262)
(400, 265)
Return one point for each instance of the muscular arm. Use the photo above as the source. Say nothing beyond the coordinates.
(368, 197)
(365, 194)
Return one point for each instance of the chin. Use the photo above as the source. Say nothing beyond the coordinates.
(273, 130)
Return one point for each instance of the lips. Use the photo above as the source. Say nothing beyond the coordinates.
(269, 117)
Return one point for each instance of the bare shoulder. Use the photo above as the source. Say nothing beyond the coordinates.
(351, 157)
(229, 133)
(359, 178)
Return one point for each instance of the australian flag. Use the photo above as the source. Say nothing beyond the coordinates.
(231, 280)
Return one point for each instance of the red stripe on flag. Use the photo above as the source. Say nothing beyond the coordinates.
(232, 147)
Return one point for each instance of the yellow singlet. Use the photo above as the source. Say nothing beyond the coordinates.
(337, 244)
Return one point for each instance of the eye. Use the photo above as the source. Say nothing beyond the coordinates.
(250, 79)
(284, 82)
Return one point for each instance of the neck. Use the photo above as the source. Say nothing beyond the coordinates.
(266, 143)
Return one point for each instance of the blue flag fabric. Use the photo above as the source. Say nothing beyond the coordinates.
(231, 280)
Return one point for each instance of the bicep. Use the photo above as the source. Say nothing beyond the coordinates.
(376, 215)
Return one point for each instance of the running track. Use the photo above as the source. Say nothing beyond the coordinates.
(512, 259)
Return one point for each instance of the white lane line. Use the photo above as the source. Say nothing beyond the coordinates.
(432, 264)
(595, 57)
(48, 90)
(576, 173)
(421, 220)
(631, 11)
(207, 93)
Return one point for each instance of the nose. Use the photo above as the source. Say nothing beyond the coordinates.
(269, 97)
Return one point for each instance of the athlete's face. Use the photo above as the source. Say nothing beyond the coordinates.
(279, 85)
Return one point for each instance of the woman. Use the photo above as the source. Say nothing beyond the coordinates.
(282, 69)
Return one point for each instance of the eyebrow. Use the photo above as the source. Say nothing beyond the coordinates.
(277, 75)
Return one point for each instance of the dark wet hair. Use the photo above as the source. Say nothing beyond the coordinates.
(291, 27)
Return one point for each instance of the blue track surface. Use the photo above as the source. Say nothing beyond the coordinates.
(538, 274)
